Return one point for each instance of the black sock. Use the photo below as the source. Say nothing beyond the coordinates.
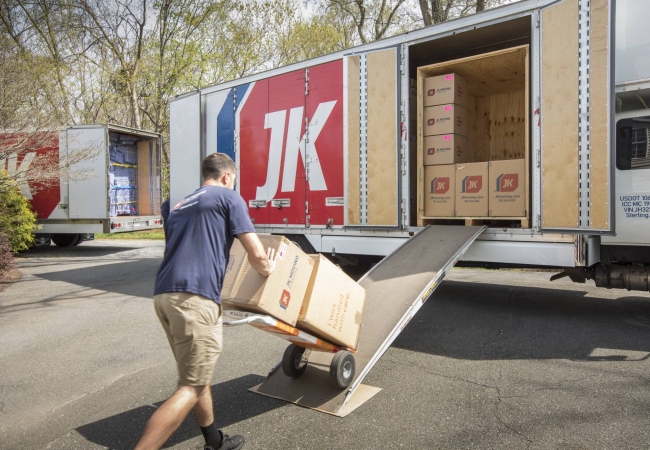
(212, 436)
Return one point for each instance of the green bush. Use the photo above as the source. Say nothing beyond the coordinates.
(17, 220)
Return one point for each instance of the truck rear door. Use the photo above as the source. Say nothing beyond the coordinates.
(574, 116)
(87, 195)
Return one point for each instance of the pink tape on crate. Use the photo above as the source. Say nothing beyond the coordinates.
(447, 108)
(447, 138)
(449, 77)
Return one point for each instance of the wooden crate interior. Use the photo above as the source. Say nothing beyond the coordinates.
(497, 115)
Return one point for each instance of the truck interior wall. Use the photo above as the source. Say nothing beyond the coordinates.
(380, 183)
(134, 180)
(144, 178)
(560, 183)
(498, 109)
(600, 168)
(498, 113)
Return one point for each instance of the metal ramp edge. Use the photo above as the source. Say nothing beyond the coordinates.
(396, 289)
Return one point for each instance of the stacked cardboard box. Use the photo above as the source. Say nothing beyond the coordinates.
(305, 291)
(445, 141)
(507, 188)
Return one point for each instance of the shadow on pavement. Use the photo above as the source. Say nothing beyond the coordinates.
(134, 278)
(493, 321)
(233, 403)
(75, 251)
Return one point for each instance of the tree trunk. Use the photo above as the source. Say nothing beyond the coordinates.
(480, 5)
(426, 15)
(437, 11)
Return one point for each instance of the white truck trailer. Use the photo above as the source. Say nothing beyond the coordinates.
(115, 188)
(330, 150)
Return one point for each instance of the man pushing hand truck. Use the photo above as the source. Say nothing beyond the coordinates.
(199, 234)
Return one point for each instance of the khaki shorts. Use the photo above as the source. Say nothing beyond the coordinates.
(193, 325)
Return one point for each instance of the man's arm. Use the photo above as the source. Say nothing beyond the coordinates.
(257, 255)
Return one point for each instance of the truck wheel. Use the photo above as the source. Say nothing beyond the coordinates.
(65, 240)
(292, 364)
(342, 369)
(79, 240)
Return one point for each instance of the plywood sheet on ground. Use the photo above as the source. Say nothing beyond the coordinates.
(560, 194)
(599, 69)
(382, 137)
(391, 289)
(353, 141)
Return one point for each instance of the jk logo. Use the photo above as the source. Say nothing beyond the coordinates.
(507, 182)
(439, 185)
(19, 172)
(431, 92)
(295, 143)
(285, 298)
(431, 151)
(472, 184)
(431, 122)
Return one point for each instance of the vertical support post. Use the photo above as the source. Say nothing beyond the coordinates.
(583, 115)
(363, 139)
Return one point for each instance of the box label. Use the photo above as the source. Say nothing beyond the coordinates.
(439, 185)
(507, 182)
(285, 298)
(231, 262)
(282, 251)
(472, 184)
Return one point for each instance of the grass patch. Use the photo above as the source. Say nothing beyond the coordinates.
(155, 235)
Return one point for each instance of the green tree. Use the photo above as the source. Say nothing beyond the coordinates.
(17, 220)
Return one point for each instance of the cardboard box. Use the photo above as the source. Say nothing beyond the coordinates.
(507, 196)
(333, 305)
(445, 149)
(233, 268)
(445, 89)
(472, 190)
(445, 119)
(439, 193)
(281, 293)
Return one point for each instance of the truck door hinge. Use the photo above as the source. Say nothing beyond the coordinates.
(538, 15)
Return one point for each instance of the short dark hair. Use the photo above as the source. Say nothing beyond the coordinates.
(215, 165)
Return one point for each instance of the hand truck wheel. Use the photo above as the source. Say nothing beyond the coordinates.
(342, 369)
(292, 364)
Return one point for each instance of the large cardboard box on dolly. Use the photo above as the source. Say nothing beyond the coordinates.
(333, 305)
(472, 190)
(445, 149)
(439, 194)
(507, 188)
(445, 119)
(281, 293)
(445, 89)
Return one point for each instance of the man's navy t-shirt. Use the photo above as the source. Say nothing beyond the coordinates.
(199, 233)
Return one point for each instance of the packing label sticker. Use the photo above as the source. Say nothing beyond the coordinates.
(282, 251)
(447, 137)
(447, 108)
(449, 77)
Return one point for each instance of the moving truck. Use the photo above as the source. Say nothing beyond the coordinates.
(115, 188)
(330, 151)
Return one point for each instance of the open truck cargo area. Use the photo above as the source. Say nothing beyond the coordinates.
(338, 151)
(115, 184)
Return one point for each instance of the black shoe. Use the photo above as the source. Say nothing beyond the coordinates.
(228, 443)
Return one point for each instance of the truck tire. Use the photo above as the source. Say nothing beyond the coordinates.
(65, 240)
(79, 241)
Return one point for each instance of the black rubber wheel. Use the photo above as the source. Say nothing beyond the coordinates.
(342, 369)
(65, 240)
(79, 240)
(292, 364)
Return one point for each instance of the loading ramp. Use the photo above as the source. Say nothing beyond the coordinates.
(396, 288)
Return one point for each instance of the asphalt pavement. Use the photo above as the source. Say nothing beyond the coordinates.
(494, 360)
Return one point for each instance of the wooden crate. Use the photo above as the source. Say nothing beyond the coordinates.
(498, 115)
